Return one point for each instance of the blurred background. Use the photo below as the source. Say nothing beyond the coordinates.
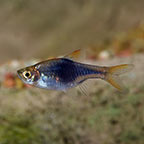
(111, 32)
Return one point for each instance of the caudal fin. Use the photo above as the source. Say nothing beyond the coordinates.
(115, 71)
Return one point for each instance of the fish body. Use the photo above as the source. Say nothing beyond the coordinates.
(64, 73)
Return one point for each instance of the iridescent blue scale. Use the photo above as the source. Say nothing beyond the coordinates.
(63, 73)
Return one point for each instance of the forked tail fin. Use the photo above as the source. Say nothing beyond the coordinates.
(115, 71)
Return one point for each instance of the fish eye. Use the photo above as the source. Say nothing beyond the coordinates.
(27, 74)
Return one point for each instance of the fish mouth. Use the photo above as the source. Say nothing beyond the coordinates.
(19, 73)
(20, 76)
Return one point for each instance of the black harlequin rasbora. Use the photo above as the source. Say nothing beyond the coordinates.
(64, 73)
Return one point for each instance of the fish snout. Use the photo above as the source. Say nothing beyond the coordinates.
(19, 73)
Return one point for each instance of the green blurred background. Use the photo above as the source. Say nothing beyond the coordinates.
(111, 31)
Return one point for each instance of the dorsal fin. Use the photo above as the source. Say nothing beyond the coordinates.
(74, 55)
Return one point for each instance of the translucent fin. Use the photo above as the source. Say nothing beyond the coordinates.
(75, 54)
(121, 69)
(115, 81)
(113, 74)
(83, 89)
(50, 58)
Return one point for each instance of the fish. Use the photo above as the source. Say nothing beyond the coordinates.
(63, 73)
